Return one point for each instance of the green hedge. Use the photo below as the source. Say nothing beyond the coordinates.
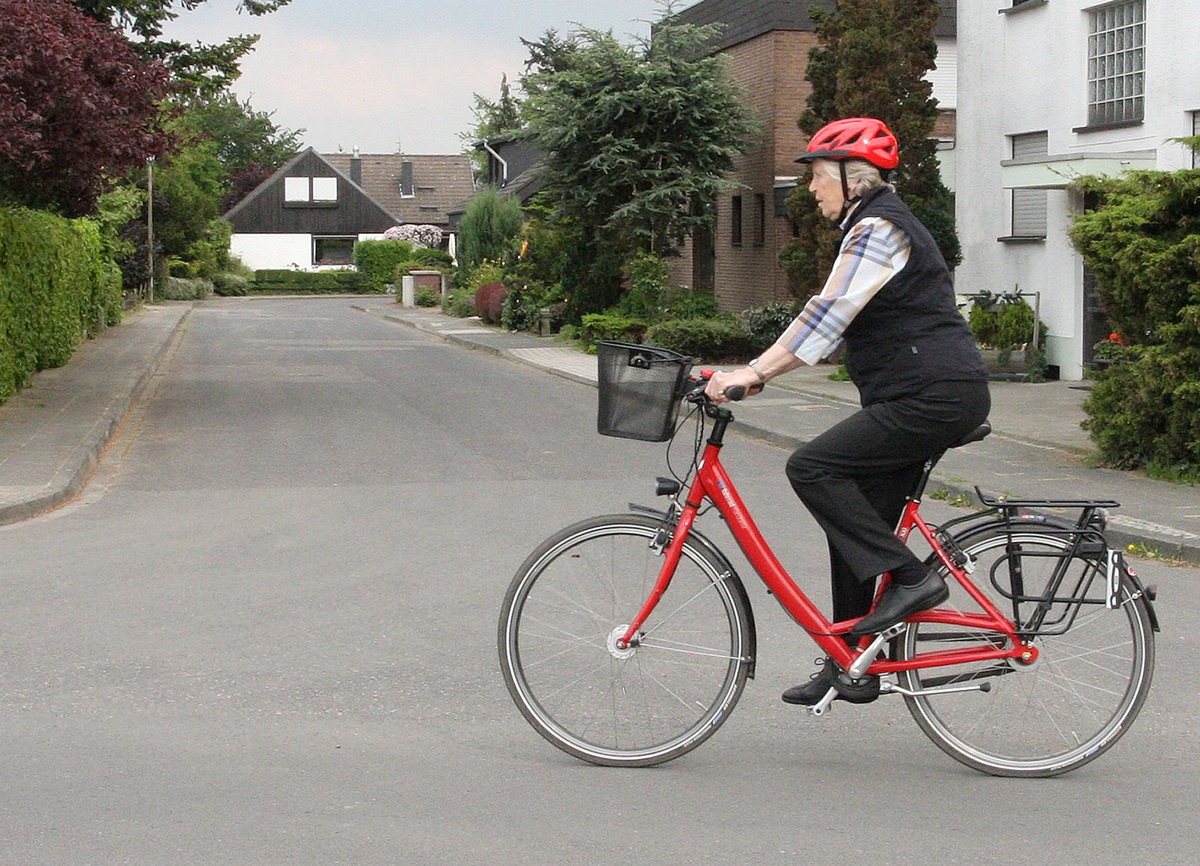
(284, 282)
(56, 289)
(377, 260)
(612, 326)
(717, 341)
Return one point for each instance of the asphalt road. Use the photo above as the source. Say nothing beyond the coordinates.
(265, 634)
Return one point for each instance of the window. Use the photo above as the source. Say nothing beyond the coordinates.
(295, 189)
(304, 190)
(760, 219)
(1117, 63)
(1029, 205)
(333, 250)
(735, 221)
(324, 189)
(1021, 5)
(406, 180)
(1196, 132)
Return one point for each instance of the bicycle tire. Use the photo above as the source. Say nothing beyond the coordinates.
(641, 706)
(1072, 704)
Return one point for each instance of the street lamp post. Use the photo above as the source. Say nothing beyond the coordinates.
(150, 226)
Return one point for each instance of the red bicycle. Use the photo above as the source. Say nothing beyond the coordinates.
(627, 639)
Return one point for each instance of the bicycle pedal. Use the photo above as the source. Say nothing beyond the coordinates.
(823, 706)
(860, 691)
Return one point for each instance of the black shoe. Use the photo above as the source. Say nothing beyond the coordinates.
(810, 693)
(860, 691)
(901, 600)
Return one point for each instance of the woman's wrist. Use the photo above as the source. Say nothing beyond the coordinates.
(757, 370)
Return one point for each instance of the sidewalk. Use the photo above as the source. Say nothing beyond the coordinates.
(53, 433)
(1037, 449)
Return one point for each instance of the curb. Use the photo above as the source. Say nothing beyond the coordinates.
(1121, 531)
(73, 474)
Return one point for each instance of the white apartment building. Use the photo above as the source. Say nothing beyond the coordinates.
(1049, 90)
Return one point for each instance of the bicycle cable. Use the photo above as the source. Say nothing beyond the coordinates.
(697, 413)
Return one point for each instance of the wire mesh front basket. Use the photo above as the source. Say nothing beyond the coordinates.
(640, 389)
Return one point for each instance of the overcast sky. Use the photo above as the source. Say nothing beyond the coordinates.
(388, 75)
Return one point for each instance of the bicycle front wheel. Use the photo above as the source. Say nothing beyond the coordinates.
(1085, 689)
(568, 605)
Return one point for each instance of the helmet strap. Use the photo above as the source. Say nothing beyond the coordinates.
(847, 202)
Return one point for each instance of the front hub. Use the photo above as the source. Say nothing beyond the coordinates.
(616, 648)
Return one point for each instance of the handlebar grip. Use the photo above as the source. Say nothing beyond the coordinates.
(741, 392)
(735, 394)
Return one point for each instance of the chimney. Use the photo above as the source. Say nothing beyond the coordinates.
(356, 167)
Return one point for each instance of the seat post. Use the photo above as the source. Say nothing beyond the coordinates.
(918, 488)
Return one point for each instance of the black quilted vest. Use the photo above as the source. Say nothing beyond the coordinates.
(911, 333)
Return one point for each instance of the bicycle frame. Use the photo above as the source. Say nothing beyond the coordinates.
(713, 483)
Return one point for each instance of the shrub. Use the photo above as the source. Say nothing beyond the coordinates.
(1141, 239)
(423, 236)
(764, 324)
(185, 289)
(645, 282)
(523, 307)
(719, 340)
(462, 296)
(1145, 411)
(488, 229)
(377, 260)
(57, 287)
(461, 302)
(610, 326)
(209, 255)
(430, 259)
(679, 303)
(489, 302)
(422, 260)
(284, 282)
(649, 297)
(1004, 325)
(230, 285)
(427, 298)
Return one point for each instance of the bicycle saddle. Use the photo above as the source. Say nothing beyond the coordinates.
(979, 433)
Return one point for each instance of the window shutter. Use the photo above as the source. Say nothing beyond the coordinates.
(1029, 205)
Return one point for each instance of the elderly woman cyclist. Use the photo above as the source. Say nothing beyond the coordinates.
(889, 302)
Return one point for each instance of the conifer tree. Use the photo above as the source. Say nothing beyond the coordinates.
(871, 62)
(638, 140)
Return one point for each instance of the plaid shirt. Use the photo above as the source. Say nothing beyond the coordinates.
(873, 252)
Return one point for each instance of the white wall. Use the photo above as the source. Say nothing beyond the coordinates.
(1026, 71)
(944, 75)
(261, 251)
(287, 252)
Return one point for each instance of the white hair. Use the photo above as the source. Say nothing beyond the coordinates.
(861, 176)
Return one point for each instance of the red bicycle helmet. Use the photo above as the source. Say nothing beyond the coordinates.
(854, 138)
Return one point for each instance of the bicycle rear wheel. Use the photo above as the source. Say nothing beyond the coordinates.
(563, 613)
(1070, 706)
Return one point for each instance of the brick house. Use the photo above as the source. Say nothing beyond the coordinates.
(767, 43)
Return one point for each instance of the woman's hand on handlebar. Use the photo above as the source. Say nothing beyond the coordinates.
(725, 386)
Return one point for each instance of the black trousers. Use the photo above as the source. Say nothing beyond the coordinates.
(855, 477)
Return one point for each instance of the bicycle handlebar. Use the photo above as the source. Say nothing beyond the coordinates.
(736, 394)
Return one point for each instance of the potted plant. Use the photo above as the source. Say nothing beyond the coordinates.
(1011, 338)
